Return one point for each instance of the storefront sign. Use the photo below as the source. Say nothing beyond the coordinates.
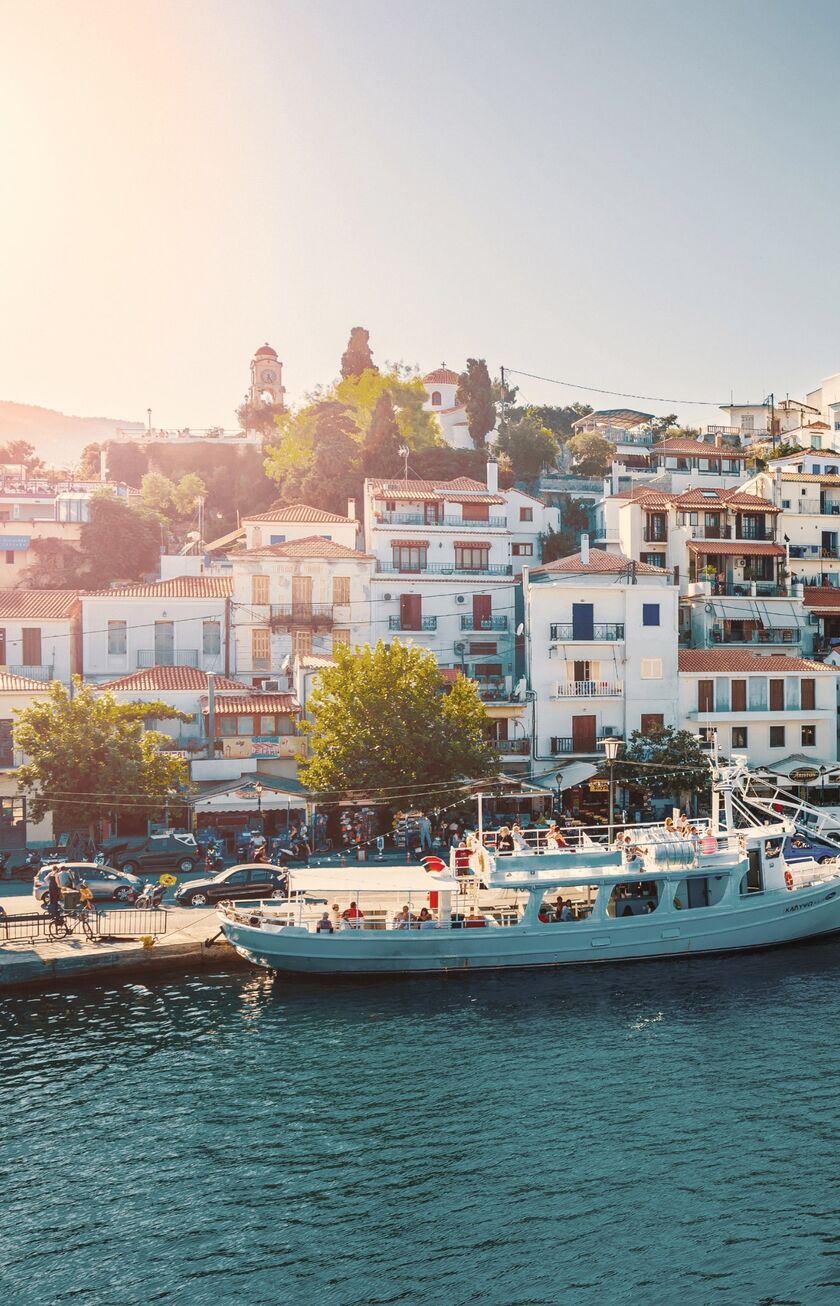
(804, 773)
(599, 786)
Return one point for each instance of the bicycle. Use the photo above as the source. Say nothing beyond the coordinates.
(63, 924)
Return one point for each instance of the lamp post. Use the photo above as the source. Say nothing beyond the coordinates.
(823, 774)
(258, 791)
(612, 744)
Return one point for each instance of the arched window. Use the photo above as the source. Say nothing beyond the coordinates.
(436, 399)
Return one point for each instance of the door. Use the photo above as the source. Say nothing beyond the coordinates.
(164, 643)
(482, 612)
(739, 696)
(705, 696)
(583, 625)
(777, 696)
(32, 646)
(221, 888)
(808, 695)
(411, 611)
(301, 596)
(583, 734)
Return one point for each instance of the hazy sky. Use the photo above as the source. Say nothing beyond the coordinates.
(633, 194)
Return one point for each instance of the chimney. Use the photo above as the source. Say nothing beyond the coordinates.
(493, 477)
(351, 509)
(777, 486)
(103, 464)
(718, 441)
(584, 549)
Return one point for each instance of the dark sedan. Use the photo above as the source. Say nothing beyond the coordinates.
(252, 880)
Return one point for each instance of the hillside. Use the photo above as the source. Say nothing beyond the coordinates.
(57, 438)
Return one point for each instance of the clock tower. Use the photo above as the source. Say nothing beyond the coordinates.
(266, 378)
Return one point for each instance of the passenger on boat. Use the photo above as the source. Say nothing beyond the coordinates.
(504, 842)
(353, 917)
(402, 920)
(554, 839)
(427, 920)
(475, 920)
(566, 913)
(325, 925)
(336, 917)
(520, 843)
(545, 914)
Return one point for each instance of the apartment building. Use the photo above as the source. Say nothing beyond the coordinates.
(16, 828)
(779, 709)
(299, 521)
(806, 492)
(40, 634)
(295, 598)
(601, 649)
(32, 510)
(185, 621)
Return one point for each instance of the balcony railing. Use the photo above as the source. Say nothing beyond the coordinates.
(182, 657)
(805, 551)
(711, 532)
(655, 536)
(417, 519)
(769, 635)
(601, 630)
(425, 623)
(484, 623)
(520, 747)
(566, 744)
(492, 569)
(38, 672)
(301, 614)
(589, 689)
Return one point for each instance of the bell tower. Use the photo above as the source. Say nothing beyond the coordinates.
(266, 378)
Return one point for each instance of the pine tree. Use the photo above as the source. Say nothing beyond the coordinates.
(381, 453)
(357, 357)
(475, 391)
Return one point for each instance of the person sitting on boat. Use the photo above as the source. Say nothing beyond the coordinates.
(545, 915)
(566, 912)
(520, 843)
(504, 842)
(669, 825)
(554, 838)
(475, 920)
(335, 916)
(402, 920)
(325, 925)
(427, 920)
(353, 917)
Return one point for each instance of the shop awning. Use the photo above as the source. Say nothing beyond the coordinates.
(749, 548)
(798, 769)
(242, 797)
(575, 774)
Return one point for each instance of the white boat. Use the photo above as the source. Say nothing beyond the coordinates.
(726, 889)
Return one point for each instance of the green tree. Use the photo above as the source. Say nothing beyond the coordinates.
(665, 761)
(89, 462)
(56, 565)
(127, 462)
(574, 520)
(531, 447)
(20, 451)
(475, 392)
(260, 417)
(380, 719)
(88, 757)
(118, 543)
(662, 425)
(357, 357)
(156, 493)
(557, 419)
(332, 474)
(381, 452)
(592, 453)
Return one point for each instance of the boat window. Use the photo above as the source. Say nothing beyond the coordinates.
(637, 898)
(569, 905)
(752, 881)
(699, 891)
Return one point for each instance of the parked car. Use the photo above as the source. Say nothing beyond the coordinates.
(253, 880)
(103, 881)
(159, 852)
(802, 847)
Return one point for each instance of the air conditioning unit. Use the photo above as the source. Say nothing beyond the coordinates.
(813, 619)
(386, 598)
(740, 562)
(460, 648)
(460, 598)
(271, 686)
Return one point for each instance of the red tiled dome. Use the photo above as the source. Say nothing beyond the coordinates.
(265, 351)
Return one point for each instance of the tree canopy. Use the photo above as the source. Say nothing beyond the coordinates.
(357, 357)
(557, 419)
(88, 756)
(665, 761)
(173, 502)
(381, 719)
(475, 392)
(20, 451)
(592, 453)
(119, 542)
(531, 447)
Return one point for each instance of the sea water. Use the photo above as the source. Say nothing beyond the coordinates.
(648, 1133)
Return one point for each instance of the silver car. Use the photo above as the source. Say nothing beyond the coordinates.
(103, 881)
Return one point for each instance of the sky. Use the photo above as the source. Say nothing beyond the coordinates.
(641, 196)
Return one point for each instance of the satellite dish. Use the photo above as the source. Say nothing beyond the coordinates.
(519, 691)
(520, 629)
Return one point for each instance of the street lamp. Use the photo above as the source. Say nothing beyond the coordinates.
(612, 744)
(823, 773)
(258, 791)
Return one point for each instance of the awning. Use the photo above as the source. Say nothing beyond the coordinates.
(15, 543)
(780, 615)
(242, 797)
(731, 610)
(575, 774)
(472, 544)
(410, 544)
(798, 768)
(370, 879)
(737, 547)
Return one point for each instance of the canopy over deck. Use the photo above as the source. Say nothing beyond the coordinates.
(370, 879)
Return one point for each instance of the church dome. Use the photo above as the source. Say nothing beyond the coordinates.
(265, 351)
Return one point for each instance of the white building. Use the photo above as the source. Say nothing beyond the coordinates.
(779, 710)
(40, 634)
(299, 521)
(185, 621)
(16, 828)
(808, 501)
(601, 651)
(441, 387)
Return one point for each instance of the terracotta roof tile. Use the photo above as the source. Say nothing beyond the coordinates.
(314, 546)
(10, 684)
(171, 679)
(442, 376)
(700, 498)
(821, 598)
(177, 587)
(463, 489)
(694, 660)
(601, 563)
(299, 512)
(44, 604)
(253, 704)
(755, 548)
(699, 448)
(821, 478)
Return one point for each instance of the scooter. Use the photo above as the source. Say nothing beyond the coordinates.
(213, 859)
(151, 895)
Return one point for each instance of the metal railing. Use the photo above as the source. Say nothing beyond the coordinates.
(656, 536)
(491, 569)
(182, 657)
(424, 623)
(518, 746)
(39, 672)
(566, 744)
(484, 623)
(589, 689)
(767, 635)
(301, 614)
(130, 923)
(417, 519)
(601, 630)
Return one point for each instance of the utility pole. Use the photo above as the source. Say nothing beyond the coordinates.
(503, 417)
(772, 402)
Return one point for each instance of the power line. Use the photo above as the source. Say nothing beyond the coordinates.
(618, 394)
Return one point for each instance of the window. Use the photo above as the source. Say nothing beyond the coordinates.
(301, 643)
(747, 421)
(653, 559)
(261, 648)
(341, 636)
(409, 557)
(476, 557)
(651, 722)
(259, 589)
(7, 753)
(809, 736)
(267, 726)
(436, 399)
(341, 591)
(650, 614)
(651, 668)
(211, 638)
(739, 695)
(705, 696)
(582, 671)
(777, 736)
(245, 725)
(522, 550)
(739, 736)
(226, 725)
(526, 514)
(117, 639)
(277, 539)
(10, 557)
(807, 693)
(32, 646)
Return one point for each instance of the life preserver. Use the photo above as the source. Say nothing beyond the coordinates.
(434, 864)
(788, 880)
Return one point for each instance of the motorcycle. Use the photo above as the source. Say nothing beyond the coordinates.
(151, 895)
(213, 859)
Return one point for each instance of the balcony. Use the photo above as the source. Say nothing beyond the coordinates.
(425, 623)
(453, 523)
(37, 672)
(512, 747)
(602, 630)
(770, 635)
(561, 744)
(712, 533)
(310, 615)
(804, 552)
(182, 657)
(589, 689)
(492, 569)
(655, 535)
(484, 623)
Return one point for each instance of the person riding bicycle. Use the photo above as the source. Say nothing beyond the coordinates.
(53, 893)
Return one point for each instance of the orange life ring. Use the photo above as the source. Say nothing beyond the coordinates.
(788, 880)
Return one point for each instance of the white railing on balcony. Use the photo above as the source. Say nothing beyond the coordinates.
(32, 672)
(589, 689)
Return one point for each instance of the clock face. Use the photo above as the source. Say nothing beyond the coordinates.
(268, 376)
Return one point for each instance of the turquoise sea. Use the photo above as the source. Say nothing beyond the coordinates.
(642, 1134)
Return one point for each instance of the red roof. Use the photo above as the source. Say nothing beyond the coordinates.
(178, 587)
(45, 605)
(694, 660)
(265, 351)
(822, 598)
(253, 704)
(10, 684)
(314, 546)
(752, 547)
(299, 512)
(172, 679)
(699, 498)
(699, 449)
(463, 489)
(600, 562)
(649, 497)
(442, 376)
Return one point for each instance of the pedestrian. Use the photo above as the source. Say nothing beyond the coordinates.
(53, 892)
(425, 828)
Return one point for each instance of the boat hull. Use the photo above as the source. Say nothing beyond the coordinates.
(779, 918)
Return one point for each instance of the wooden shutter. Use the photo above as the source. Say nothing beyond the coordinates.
(583, 734)
(259, 589)
(705, 696)
(652, 721)
(32, 646)
(411, 611)
(777, 695)
(482, 610)
(739, 695)
(808, 693)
